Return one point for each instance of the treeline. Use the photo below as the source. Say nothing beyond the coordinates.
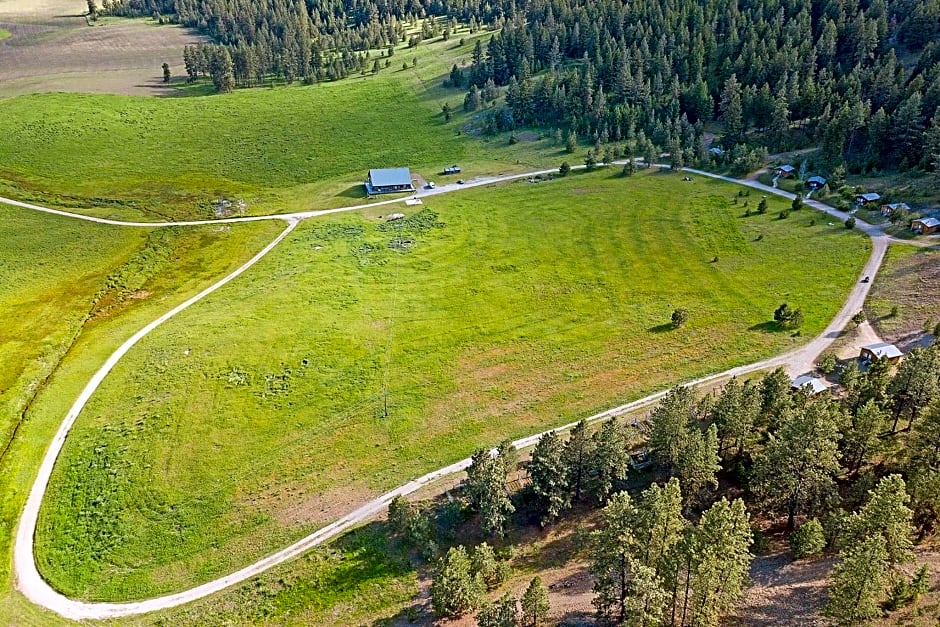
(772, 72)
(308, 41)
(678, 553)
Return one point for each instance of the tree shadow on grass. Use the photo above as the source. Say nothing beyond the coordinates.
(661, 328)
(767, 327)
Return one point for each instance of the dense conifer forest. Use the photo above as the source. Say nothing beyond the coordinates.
(859, 78)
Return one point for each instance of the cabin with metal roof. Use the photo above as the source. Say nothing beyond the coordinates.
(864, 199)
(816, 182)
(922, 226)
(890, 208)
(879, 351)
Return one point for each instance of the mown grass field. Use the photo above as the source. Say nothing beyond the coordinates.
(281, 149)
(260, 414)
(54, 293)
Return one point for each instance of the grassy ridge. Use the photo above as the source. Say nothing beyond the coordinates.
(494, 313)
(48, 256)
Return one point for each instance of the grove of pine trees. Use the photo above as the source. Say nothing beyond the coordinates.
(672, 544)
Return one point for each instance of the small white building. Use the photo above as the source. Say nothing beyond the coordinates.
(811, 384)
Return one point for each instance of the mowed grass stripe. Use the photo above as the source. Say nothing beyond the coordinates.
(259, 414)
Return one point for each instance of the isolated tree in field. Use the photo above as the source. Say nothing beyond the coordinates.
(590, 160)
(549, 477)
(858, 583)
(860, 438)
(797, 203)
(611, 459)
(795, 473)
(501, 613)
(808, 540)
(454, 591)
(629, 168)
(166, 73)
(578, 458)
(571, 142)
(915, 385)
(487, 493)
(850, 222)
(762, 206)
(787, 317)
(564, 169)
(679, 317)
(534, 603)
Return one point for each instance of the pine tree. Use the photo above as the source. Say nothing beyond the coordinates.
(732, 112)
(549, 477)
(860, 438)
(858, 583)
(486, 490)
(611, 459)
(534, 603)
(454, 591)
(886, 516)
(797, 468)
(577, 457)
(502, 613)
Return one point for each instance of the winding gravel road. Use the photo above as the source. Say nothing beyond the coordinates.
(31, 583)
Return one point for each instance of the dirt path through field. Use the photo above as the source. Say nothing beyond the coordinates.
(35, 588)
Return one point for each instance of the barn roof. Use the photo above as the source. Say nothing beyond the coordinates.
(382, 177)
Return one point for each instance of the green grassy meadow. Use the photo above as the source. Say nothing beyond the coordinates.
(77, 290)
(260, 414)
(908, 281)
(285, 148)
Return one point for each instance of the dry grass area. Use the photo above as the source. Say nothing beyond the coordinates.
(51, 48)
(910, 281)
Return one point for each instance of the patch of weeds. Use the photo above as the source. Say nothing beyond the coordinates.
(236, 376)
(415, 224)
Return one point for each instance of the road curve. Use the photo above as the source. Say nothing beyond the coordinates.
(30, 582)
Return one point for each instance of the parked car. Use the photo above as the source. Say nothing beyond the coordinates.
(459, 181)
(431, 185)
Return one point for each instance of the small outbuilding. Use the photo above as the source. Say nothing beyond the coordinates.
(389, 181)
(811, 384)
(715, 150)
(452, 169)
(784, 170)
(889, 209)
(816, 182)
(879, 351)
(864, 199)
(922, 226)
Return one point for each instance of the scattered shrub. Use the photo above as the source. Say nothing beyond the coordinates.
(807, 541)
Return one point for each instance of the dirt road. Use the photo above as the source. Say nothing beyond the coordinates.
(30, 582)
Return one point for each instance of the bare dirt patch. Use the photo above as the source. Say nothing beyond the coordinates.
(294, 507)
(48, 53)
(784, 592)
